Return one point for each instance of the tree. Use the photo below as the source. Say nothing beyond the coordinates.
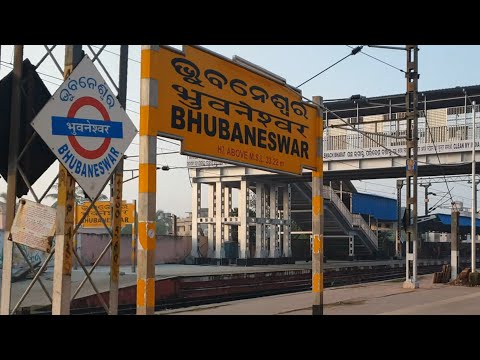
(164, 222)
(79, 195)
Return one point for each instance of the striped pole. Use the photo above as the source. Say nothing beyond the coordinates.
(117, 193)
(147, 185)
(317, 218)
(62, 275)
(134, 234)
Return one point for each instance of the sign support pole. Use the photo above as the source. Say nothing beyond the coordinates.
(317, 220)
(65, 211)
(15, 115)
(75, 237)
(116, 196)
(134, 234)
(147, 195)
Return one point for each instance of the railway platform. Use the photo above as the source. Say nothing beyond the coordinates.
(174, 281)
(380, 298)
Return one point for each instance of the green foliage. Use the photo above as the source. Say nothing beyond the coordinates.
(296, 227)
(163, 223)
(127, 229)
(386, 236)
(79, 196)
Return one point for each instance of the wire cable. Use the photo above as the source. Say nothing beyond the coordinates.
(114, 53)
(383, 62)
(170, 142)
(353, 52)
(438, 157)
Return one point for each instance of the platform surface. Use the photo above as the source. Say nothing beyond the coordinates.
(380, 298)
(101, 276)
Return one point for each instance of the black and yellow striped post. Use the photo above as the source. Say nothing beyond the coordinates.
(147, 186)
(317, 217)
(62, 275)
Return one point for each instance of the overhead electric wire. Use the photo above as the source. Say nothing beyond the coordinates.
(170, 142)
(114, 53)
(383, 62)
(438, 157)
(10, 66)
(353, 52)
(160, 153)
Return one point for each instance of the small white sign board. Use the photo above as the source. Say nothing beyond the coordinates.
(86, 127)
(34, 225)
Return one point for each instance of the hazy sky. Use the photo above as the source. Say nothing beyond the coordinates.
(439, 67)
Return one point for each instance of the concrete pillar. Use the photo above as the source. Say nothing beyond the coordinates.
(219, 210)
(398, 236)
(147, 188)
(341, 190)
(265, 216)
(273, 215)
(259, 211)
(317, 219)
(211, 214)
(196, 206)
(287, 201)
(351, 247)
(454, 245)
(227, 203)
(243, 214)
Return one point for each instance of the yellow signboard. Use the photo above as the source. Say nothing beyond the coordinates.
(228, 110)
(93, 220)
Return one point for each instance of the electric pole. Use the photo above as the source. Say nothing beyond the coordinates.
(398, 243)
(411, 114)
(426, 186)
(474, 193)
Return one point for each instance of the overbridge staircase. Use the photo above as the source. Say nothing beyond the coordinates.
(339, 222)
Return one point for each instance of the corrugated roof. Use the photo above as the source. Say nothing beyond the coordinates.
(463, 221)
(382, 208)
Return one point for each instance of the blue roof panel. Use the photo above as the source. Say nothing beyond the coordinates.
(382, 208)
(464, 221)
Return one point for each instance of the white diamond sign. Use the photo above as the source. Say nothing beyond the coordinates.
(86, 127)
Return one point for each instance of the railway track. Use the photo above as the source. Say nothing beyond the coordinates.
(192, 294)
